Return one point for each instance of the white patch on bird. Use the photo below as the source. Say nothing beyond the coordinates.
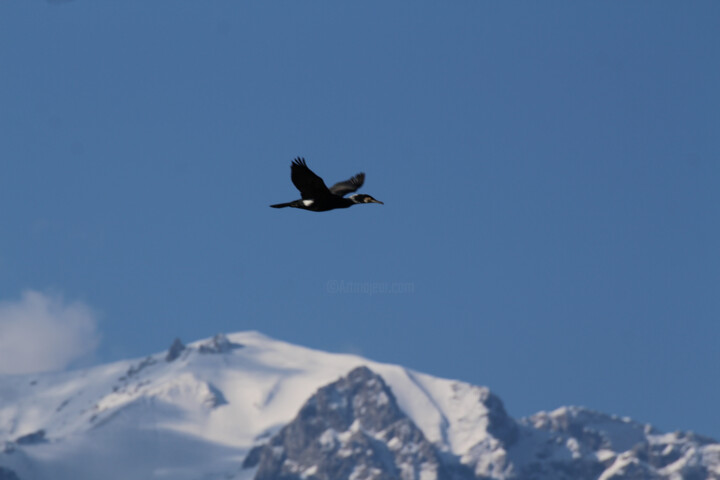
(307, 203)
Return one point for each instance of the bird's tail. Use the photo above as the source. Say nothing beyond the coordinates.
(281, 205)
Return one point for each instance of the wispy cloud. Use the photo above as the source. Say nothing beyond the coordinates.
(43, 332)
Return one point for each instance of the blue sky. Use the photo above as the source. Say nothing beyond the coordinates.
(549, 170)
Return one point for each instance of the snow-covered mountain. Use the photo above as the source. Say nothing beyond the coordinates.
(244, 406)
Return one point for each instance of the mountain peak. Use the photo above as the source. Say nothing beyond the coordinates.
(197, 410)
(351, 428)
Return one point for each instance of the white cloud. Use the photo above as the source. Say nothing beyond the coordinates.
(43, 332)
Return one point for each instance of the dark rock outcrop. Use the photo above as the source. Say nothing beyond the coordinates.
(220, 343)
(32, 438)
(7, 474)
(352, 428)
(175, 350)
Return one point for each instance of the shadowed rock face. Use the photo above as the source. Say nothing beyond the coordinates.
(350, 428)
(175, 350)
(500, 425)
(32, 438)
(7, 474)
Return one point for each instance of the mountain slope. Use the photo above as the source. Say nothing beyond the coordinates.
(224, 408)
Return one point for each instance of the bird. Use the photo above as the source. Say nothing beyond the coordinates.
(316, 197)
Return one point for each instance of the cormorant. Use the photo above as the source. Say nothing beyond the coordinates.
(319, 198)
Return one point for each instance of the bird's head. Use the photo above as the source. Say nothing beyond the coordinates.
(362, 198)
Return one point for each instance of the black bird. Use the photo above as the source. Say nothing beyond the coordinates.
(319, 198)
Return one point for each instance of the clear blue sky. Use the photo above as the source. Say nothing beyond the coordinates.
(550, 174)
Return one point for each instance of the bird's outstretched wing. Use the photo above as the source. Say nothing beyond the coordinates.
(309, 184)
(349, 185)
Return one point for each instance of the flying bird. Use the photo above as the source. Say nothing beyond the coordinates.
(319, 198)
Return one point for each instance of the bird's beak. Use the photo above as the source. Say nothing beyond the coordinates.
(377, 201)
